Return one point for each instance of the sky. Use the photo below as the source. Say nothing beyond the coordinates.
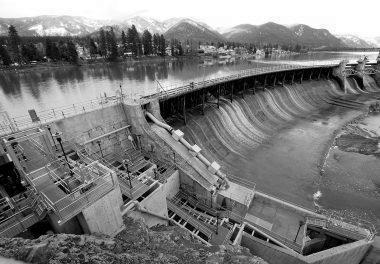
(339, 17)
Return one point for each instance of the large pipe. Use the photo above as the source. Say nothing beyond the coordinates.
(202, 158)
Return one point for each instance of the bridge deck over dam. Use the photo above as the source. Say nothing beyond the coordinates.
(183, 88)
(176, 90)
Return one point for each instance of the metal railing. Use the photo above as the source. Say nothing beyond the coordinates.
(25, 211)
(184, 87)
(83, 195)
(52, 114)
(350, 224)
(190, 219)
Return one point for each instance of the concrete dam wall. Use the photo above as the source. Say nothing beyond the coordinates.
(277, 137)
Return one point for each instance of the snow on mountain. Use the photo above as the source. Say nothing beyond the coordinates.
(299, 31)
(185, 27)
(143, 23)
(51, 25)
(374, 42)
(354, 41)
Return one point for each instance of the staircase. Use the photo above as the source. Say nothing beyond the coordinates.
(31, 212)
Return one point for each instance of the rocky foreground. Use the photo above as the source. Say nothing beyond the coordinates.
(135, 244)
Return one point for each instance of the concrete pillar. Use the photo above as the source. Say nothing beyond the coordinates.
(339, 74)
(218, 95)
(104, 216)
(232, 92)
(136, 118)
(360, 71)
(244, 85)
(301, 79)
(377, 74)
(184, 109)
(154, 108)
(203, 102)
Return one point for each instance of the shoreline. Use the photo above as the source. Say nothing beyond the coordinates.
(56, 65)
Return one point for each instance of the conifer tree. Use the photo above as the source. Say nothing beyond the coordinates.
(162, 46)
(123, 42)
(102, 43)
(29, 52)
(156, 43)
(133, 40)
(14, 42)
(72, 54)
(111, 45)
(4, 56)
(147, 42)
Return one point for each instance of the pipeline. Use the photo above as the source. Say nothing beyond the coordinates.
(203, 159)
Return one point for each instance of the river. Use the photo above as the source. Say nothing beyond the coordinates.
(42, 89)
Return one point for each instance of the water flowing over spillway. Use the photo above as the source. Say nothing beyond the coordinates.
(278, 137)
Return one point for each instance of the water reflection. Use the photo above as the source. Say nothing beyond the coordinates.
(46, 88)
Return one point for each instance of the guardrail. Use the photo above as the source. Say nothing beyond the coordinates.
(351, 224)
(82, 196)
(183, 87)
(22, 122)
(26, 210)
(190, 219)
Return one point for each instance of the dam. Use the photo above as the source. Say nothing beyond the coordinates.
(234, 160)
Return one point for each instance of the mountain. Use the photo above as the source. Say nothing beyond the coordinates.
(355, 42)
(276, 33)
(374, 42)
(143, 23)
(266, 33)
(188, 29)
(317, 38)
(51, 25)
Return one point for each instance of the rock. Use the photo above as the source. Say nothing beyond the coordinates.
(135, 244)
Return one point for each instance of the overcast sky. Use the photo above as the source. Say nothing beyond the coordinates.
(360, 17)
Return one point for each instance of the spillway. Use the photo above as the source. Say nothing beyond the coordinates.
(277, 136)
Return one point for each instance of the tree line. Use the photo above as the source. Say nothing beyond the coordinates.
(104, 44)
(16, 49)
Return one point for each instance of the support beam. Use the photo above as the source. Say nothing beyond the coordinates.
(184, 109)
(244, 86)
(203, 102)
(265, 80)
(275, 79)
(232, 92)
(319, 74)
(301, 79)
(218, 94)
(283, 79)
(292, 82)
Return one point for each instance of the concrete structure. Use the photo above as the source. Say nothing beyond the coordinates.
(87, 170)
